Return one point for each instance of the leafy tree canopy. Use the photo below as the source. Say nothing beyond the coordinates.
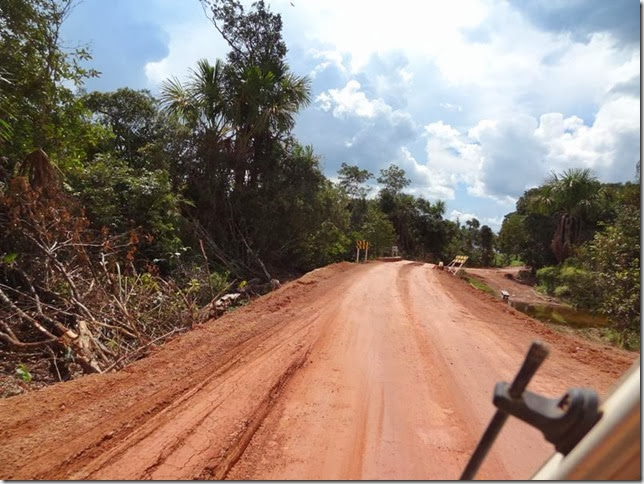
(352, 179)
(393, 179)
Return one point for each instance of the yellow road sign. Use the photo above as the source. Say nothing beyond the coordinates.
(362, 244)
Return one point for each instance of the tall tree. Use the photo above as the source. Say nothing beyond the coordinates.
(429, 229)
(255, 37)
(486, 238)
(512, 236)
(378, 230)
(352, 183)
(352, 180)
(613, 255)
(36, 106)
(241, 113)
(570, 198)
(138, 133)
(393, 179)
(200, 102)
(263, 95)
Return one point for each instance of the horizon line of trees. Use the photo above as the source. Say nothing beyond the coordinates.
(581, 238)
(123, 214)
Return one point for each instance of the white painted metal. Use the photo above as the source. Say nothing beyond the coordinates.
(612, 448)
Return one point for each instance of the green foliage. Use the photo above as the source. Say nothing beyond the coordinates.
(573, 199)
(476, 283)
(325, 230)
(137, 132)
(548, 277)
(512, 237)
(604, 274)
(486, 239)
(476, 241)
(23, 372)
(352, 179)
(219, 281)
(121, 198)
(35, 106)
(6, 110)
(196, 280)
(421, 231)
(562, 292)
(255, 36)
(9, 258)
(581, 285)
(626, 338)
(255, 189)
(393, 179)
(614, 258)
(378, 230)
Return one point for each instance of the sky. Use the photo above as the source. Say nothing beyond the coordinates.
(477, 100)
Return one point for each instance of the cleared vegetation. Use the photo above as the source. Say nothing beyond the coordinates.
(123, 216)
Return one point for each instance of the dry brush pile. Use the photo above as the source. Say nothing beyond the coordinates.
(74, 295)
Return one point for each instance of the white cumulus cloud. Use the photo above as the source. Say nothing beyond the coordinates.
(188, 43)
(352, 102)
(501, 158)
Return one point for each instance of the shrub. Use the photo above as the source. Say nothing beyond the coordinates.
(548, 277)
(582, 287)
(562, 292)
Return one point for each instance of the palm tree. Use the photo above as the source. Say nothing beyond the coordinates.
(571, 198)
(200, 102)
(262, 108)
(241, 107)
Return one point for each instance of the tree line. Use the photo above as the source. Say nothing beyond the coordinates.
(123, 214)
(581, 238)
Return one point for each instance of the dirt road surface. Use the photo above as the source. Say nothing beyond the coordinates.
(382, 370)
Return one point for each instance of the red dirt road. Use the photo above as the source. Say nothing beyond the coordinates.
(372, 371)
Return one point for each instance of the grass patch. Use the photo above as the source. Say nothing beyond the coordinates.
(476, 283)
(502, 260)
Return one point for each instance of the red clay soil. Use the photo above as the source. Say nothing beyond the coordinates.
(372, 371)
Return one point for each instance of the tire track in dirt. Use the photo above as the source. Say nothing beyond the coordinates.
(77, 427)
(473, 359)
(373, 371)
(455, 437)
(375, 377)
(486, 342)
(400, 387)
(177, 443)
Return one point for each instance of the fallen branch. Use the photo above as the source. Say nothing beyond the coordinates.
(203, 251)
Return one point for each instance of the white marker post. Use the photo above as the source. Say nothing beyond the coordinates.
(366, 251)
(357, 253)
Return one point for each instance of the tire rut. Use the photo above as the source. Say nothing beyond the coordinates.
(233, 369)
(372, 371)
(192, 418)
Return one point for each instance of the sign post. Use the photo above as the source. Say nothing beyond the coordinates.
(364, 245)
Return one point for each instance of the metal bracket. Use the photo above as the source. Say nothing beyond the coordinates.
(564, 421)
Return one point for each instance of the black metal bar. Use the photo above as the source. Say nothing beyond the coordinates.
(536, 355)
(489, 436)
